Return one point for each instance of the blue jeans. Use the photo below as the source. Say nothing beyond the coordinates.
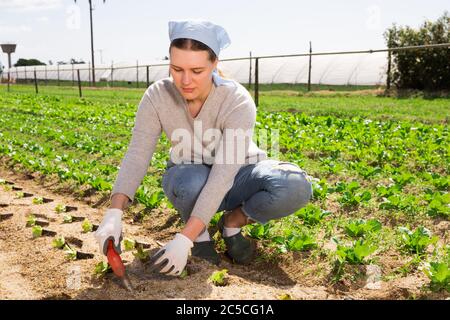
(266, 190)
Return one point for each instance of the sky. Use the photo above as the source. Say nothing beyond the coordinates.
(127, 31)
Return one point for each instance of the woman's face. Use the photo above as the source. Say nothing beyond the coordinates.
(191, 72)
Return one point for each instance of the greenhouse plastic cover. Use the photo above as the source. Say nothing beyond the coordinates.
(348, 69)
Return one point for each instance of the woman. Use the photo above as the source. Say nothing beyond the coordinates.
(214, 165)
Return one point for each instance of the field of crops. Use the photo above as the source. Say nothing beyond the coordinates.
(378, 224)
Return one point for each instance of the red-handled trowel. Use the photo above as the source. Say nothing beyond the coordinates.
(115, 261)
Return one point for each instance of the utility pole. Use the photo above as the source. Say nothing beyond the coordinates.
(92, 41)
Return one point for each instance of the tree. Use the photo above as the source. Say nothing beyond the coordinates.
(28, 62)
(74, 61)
(424, 69)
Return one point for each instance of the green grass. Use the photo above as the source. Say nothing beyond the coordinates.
(109, 95)
(374, 107)
(343, 102)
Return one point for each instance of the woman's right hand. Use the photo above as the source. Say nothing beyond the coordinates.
(110, 228)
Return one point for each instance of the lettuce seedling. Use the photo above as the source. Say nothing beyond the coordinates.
(19, 195)
(300, 242)
(141, 254)
(36, 231)
(31, 220)
(383, 191)
(320, 188)
(58, 242)
(439, 274)
(402, 179)
(365, 170)
(129, 244)
(71, 254)
(400, 202)
(87, 226)
(60, 208)
(67, 218)
(215, 219)
(311, 214)
(102, 268)
(442, 183)
(183, 274)
(361, 227)
(38, 200)
(285, 296)
(258, 231)
(417, 241)
(351, 199)
(148, 198)
(219, 278)
(356, 253)
(439, 204)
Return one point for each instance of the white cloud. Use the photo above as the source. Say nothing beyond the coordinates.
(42, 19)
(29, 5)
(14, 29)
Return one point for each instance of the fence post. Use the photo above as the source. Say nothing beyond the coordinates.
(257, 82)
(148, 76)
(309, 69)
(79, 82)
(112, 71)
(388, 78)
(73, 76)
(46, 80)
(35, 81)
(58, 73)
(89, 64)
(137, 74)
(250, 73)
(9, 78)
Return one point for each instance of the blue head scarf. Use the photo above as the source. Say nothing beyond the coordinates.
(212, 35)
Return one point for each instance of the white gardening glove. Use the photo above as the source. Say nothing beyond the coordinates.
(172, 258)
(110, 228)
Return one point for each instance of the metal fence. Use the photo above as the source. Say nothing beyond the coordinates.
(355, 68)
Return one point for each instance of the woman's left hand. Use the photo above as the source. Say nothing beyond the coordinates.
(172, 258)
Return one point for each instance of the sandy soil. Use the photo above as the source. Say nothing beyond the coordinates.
(33, 269)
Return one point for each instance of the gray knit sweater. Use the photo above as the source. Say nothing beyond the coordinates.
(203, 139)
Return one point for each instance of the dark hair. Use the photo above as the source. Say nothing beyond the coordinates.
(194, 45)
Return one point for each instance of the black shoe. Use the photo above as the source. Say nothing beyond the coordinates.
(205, 250)
(240, 249)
